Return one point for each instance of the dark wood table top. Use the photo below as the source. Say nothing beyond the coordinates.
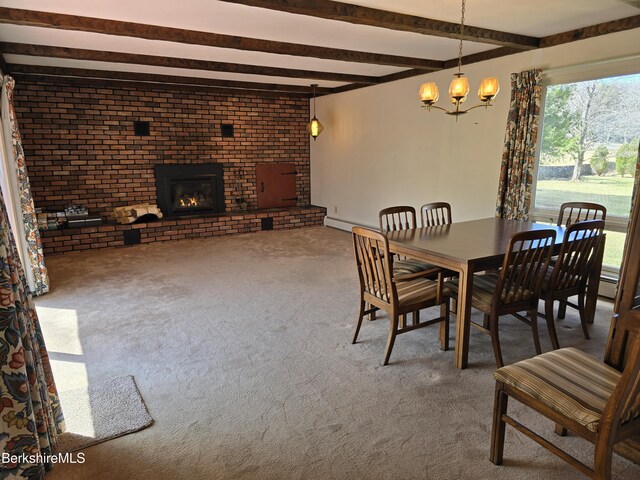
(483, 241)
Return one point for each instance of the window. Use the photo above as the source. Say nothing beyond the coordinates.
(587, 152)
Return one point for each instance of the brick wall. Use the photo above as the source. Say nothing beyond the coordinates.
(81, 148)
(112, 236)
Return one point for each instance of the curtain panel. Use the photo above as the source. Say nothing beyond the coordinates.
(30, 242)
(29, 403)
(519, 155)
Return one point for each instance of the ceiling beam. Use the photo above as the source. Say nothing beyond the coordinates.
(134, 84)
(346, 12)
(162, 79)
(188, 63)
(60, 21)
(614, 26)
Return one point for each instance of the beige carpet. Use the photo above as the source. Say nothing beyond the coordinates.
(241, 349)
(100, 412)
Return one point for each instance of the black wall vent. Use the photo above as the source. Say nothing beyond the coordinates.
(266, 223)
(131, 237)
(141, 129)
(226, 129)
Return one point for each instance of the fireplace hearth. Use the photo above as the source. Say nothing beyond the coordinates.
(190, 189)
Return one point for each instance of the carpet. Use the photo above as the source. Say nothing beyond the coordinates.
(241, 348)
(100, 412)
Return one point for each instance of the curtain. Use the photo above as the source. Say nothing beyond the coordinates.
(29, 404)
(17, 191)
(519, 155)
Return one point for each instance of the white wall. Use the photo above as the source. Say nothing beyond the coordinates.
(379, 148)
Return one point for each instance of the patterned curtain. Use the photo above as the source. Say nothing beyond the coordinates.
(29, 403)
(38, 270)
(518, 158)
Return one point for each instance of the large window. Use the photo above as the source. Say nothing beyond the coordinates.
(588, 152)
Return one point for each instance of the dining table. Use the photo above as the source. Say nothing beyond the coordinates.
(475, 246)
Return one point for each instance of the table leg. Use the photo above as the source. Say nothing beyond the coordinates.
(463, 318)
(593, 284)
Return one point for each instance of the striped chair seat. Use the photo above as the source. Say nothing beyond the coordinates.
(407, 266)
(484, 287)
(568, 381)
(412, 291)
(416, 291)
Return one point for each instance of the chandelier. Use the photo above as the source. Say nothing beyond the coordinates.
(459, 87)
(314, 127)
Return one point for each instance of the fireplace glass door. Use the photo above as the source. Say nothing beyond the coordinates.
(191, 195)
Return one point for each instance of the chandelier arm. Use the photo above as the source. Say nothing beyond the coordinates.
(476, 106)
(428, 107)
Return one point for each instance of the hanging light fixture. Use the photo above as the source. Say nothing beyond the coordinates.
(459, 87)
(314, 127)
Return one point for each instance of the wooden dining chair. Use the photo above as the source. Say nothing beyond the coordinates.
(403, 217)
(436, 213)
(381, 288)
(572, 212)
(580, 394)
(515, 288)
(568, 275)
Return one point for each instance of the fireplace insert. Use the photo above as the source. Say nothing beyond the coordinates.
(189, 189)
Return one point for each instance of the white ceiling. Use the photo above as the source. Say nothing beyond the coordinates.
(540, 18)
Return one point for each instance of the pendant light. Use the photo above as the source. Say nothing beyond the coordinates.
(314, 127)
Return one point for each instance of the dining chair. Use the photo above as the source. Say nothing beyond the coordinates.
(436, 213)
(381, 288)
(579, 393)
(568, 275)
(515, 288)
(403, 217)
(572, 212)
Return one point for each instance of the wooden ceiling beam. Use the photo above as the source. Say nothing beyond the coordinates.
(346, 12)
(162, 79)
(158, 61)
(134, 84)
(14, 16)
(614, 26)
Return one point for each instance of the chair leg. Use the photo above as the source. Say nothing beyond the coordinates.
(533, 317)
(551, 323)
(497, 431)
(602, 464)
(560, 430)
(562, 309)
(360, 317)
(416, 317)
(403, 321)
(372, 315)
(444, 327)
(392, 338)
(495, 340)
(583, 317)
(485, 321)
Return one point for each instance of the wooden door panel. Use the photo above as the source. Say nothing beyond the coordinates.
(276, 185)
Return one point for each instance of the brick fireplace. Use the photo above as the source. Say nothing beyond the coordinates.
(81, 147)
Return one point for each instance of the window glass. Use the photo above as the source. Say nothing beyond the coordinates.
(589, 148)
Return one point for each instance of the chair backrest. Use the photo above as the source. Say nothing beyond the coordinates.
(436, 213)
(397, 218)
(572, 212)
(375, 265)
(525, 263)
(581, 243)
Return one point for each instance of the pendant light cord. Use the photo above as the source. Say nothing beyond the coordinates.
(314, 100)
(461, 36)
